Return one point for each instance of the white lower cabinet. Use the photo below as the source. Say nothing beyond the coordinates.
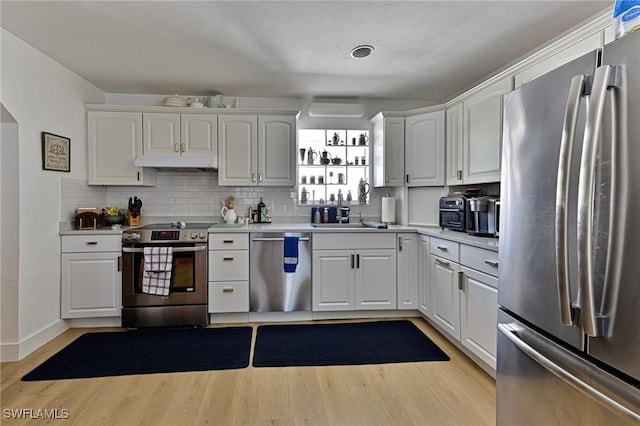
(458, 291)
(354, 277)
(425, 304)
(479, 314)
(91, 276)
(407, 270)
(228, 272)
(446, 294)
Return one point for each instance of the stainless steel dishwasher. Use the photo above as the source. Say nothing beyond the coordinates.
(271, 289)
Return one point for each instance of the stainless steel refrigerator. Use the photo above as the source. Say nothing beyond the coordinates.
(569, 286)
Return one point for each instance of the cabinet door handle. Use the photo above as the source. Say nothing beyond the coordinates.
(490, 262)
(387, 180)
(459, 174)
(407, 178)
(227, 290)
(176, 147)
(91, 243)
(399, 243)
(228, 241)
(442, 262)
(253, 177)
(358, 261)
(260, 177)
(460, 280)
(352, 261)
(443, 248)
(183, 147)
(227, 258)
(119, 263)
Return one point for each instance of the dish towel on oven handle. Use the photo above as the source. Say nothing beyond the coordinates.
(290, 254)
(158, 263)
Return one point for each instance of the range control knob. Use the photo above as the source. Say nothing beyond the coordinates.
(203, 235)
(194, 235)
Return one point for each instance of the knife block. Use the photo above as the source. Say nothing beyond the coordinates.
(133, 218)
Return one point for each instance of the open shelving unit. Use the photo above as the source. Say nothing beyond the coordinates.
(339, 160)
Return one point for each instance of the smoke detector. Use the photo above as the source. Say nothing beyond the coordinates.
(361, 51)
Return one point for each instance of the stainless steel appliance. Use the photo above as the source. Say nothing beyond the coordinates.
(186, 304)
(569, 285)
(271, 289)
(454, 212)
(482, 221)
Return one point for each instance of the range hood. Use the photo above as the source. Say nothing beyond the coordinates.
(207, 162)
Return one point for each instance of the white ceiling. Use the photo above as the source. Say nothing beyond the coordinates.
(425, 50)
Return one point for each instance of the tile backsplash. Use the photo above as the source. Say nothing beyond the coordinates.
(187, 195)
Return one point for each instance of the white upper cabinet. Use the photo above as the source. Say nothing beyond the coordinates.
(238, 150)
(199, 134)
(114, 142)
(161, 134)
(388, 150)
(482, 149)
(276, 150)
(180, 134)
(257, 150)
(425, 149)
(455, 144)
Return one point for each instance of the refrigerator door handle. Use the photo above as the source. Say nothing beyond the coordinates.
(576, 90)
(511, 332)
(603, 77)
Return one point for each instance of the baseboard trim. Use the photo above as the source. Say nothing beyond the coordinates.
(15, 351)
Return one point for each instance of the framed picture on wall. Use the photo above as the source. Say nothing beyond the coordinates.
(56, 152)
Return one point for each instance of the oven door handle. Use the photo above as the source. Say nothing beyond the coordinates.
(174, 249)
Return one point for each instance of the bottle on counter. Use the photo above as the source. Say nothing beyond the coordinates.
(269, 213)
(262, 211)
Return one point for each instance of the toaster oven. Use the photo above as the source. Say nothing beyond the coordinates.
(454, 213)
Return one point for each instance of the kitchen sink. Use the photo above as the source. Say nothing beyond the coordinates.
(364, 224)
(338, 225)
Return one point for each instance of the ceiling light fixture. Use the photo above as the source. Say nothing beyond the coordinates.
(362, 51)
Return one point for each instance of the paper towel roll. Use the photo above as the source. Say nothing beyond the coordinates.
(388, 209)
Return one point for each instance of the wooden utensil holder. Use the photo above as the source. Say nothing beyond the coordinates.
(133, 220)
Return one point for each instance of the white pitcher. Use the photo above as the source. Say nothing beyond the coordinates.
(229, 215)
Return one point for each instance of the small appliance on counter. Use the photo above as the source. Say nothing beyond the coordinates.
(483, 217)
(454, 212)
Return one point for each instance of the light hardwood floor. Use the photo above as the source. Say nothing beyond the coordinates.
(424, 393)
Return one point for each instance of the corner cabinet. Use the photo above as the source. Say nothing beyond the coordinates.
(91, 276)
(114, 142)
(425, 149)
(482, 151)
(474, 139)
(388, 149)
(257, 150)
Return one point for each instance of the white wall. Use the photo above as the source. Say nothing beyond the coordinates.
(9, 241)
(42, 96)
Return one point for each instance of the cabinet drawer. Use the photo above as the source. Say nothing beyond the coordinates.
(354, 241)
(230, 265)
(91, 243)
(229, 296)
(228, 241)
(445, 248)
(480, 259)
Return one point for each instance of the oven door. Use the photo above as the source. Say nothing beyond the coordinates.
(188, 276)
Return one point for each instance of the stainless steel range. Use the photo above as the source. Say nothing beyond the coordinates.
(186, 301)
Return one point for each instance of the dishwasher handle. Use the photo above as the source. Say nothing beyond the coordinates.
(267, 239)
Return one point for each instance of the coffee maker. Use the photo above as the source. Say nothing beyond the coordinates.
(483, 216)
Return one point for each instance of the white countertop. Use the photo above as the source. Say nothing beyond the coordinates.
(433, 231)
